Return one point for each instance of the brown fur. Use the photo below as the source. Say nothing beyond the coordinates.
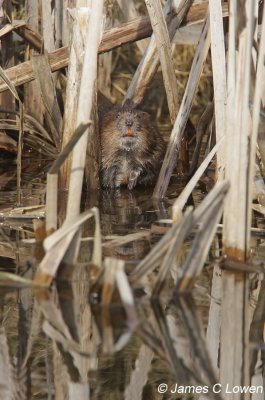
(132, 148)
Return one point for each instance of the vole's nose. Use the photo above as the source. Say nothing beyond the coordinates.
(129, 123)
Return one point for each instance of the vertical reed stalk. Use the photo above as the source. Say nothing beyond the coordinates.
(51, 203)
(62, 21)
(234, 363)
(219, 82)
(259, 90)
(19, 152)
(7, 52)
(105, 60)
(48, 28)
(214, 323)
(85, 105)
(32, 100)
(219, 75)
(79, 30)
(130, 12)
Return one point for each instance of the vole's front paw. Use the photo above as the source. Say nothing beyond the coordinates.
(133, 179)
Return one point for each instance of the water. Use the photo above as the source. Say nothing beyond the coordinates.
(78, 340)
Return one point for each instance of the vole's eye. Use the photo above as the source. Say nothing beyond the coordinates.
(118, 115)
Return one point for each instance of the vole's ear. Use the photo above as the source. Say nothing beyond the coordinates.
(145, 116)
(104, 104)
(129, 104)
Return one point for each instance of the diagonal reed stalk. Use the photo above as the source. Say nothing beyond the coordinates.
(165, 55)
(183, 114)
(148, 66)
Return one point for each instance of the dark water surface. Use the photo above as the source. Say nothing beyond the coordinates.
(69, 342)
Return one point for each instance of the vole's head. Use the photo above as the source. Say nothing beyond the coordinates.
(132, 126)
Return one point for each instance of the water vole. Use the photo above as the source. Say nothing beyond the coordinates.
(132, 148)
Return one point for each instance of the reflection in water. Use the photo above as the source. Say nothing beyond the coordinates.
(124, 212)
(79, 339)
(71, 359)
(102, 338)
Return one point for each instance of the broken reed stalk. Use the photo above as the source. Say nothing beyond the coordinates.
(193, 331)
(131, 31)
(177, 364)
(79, 28)
(183, 114)
(52, 180)
(154, 257)
(163, 45)
(186, 192)
(57, 244)
(23, 30)
(150, 61)
(198, 252)
(85, 104)
(151, 261)
(67, 228)
(234, 310)
(165, 55)
(184, 227)
(116, 37)
(126, 294)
